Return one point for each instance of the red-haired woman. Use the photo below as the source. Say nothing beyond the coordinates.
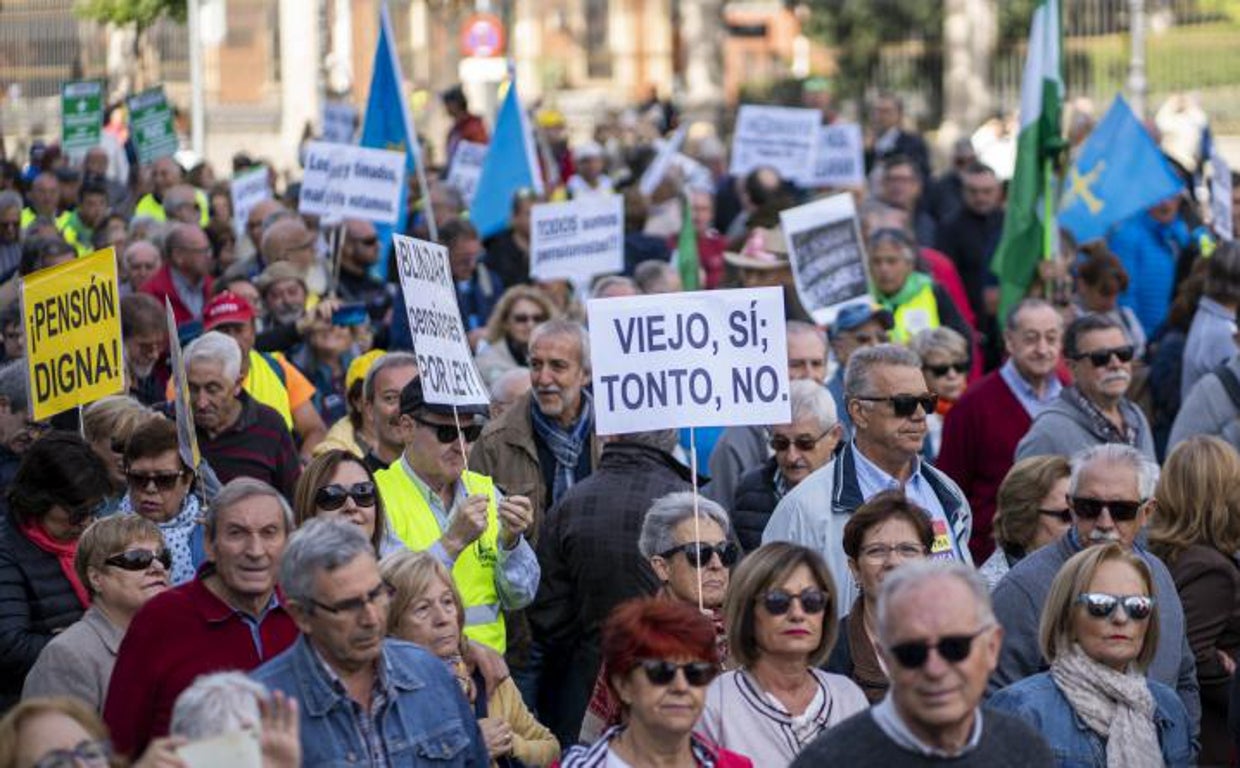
(661, 655)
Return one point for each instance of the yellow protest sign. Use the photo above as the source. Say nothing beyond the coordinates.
(73, 334)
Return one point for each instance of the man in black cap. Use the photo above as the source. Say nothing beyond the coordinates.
(433, 503)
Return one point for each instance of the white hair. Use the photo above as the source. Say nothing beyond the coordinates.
(218, 349)
(216, 704)
(809, 399)
(1115, 453)
(921, 573)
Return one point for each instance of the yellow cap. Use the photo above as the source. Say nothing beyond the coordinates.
(360, 367)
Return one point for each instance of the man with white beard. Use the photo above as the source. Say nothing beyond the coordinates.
(144, 328)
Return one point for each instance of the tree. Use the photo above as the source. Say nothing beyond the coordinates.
(140, 15)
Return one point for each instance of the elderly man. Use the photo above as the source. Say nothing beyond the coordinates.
(1094, 410)
(386, 379)
(10, 233)
(1110, 494)
(888, 400)
(983, 428)
(379, 701)
(144, 328)
(44, 199)
(263, 213)
(229, 617)
(477, 531)
(971, 235)
(166, 174)
(239, 436)
(856, 326)
(507, 389)
(289, 239)
(140, 261)
(185, 278)
(938, 640)
(17, 431)
(358, 254)
(181, 204)
(283, 294)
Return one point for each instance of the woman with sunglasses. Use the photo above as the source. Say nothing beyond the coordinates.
(506, 339)
(107, 424)
(123, 562)
(1096, 706)
(661, 655)
(945, 362)
(337, 483)
(782, 621)
(1031, 511)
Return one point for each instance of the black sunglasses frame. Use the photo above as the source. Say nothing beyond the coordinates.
(1100, 358)
(662, 672)
(699, 553)
(939, 371)
(447, 433)
(779, 601)
(953, 648)
(332, 496)
(803, 443)
(140, 559)
(1091, 509)
(904, 406)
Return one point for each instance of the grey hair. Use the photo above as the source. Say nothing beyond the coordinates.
(862, 363)
(811, 400)
(942, 339)
(799, 327)
(650, 272)
(216, 704)
(920, 573)
(664, 440)
(1033, 302)
(215, 347)
(14, 386)
(607, 283)
(389, 360)
(671, 510)
(1115, 453)
(10, 199)
(563, 327)
(322, 544)
(237, 491)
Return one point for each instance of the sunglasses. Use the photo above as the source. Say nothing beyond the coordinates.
(1091, 509)
(523, 319)
(140, 559)
(700, 554)
(942, 370)
(1062, 515)
(778, 601)
(164, 481)
(906, 405)
(90, 753)
(1100, 605)
(661, 672)
(953, 649)
(780, 443)
(1103, 356)
(447, 433)
(332, 497)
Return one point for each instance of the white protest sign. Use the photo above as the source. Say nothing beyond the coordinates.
(841, 160)
(827, 254)
(347, 182)
(248, 189)
(784, 138)
(339, 122)
(449, 376)
(578, 239)
(690, 359)
(466, 168)
(658, 167)
(1220, 195)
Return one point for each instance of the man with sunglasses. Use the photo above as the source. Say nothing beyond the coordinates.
(1109, 494)
(359, 253)
(1095, 409)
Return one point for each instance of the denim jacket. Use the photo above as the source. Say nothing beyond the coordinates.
(1039, 702)
(426, 722)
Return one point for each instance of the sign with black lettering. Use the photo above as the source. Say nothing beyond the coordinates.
(466, 168)
(449, 376)
(347, 182)
(248, 189)
(840, 160)
(785, 138)
(577, 239)
(828, 255)
(691, 359)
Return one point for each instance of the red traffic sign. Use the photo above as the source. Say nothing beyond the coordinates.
(482, 35)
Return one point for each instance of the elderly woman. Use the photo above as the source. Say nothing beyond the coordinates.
(945, 363)
(800, 447)
(123, 563)
(1099, 630)
(1031, 511)
(661, 655)
(225, 702)
(339, 484)
(782, 620)
(427, 610)
(506, 341)
(1196, 531)
(915, 301)
(60, 732)
(107, 425)
(58, 490)
(885, 532)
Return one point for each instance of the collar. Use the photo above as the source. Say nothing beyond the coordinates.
(423, 487)
(871, 473)
(212, 607)
(888, 719)
(1021, 386)
(248, 416)
(182, 282)
(109, 634)
(321, 688)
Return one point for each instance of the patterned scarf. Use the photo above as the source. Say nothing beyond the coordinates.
(1118, 706)
(566, 446)
(1099, 424)
(177, 534)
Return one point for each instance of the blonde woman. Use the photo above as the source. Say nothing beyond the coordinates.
(506, 339)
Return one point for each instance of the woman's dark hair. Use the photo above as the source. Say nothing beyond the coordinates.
(888, 505)
(152, 438)
(318, 474)
(1102, 271)
(59, 469)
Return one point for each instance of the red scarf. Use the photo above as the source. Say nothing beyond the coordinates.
(64, 552)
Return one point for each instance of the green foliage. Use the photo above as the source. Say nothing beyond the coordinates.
(142, 13)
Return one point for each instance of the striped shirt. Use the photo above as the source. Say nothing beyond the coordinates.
(257, 445)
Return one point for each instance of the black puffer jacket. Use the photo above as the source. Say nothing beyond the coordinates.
(755, 501)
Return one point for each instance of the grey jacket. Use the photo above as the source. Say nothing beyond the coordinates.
(738, 450)
(1063, 429)
(77, 662)
(1208, 410)
(1021, 594)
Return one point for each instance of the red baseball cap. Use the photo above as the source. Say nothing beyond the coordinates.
(227, 307)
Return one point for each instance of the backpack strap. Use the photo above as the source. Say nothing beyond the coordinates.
(1231, 383)
(278, 369)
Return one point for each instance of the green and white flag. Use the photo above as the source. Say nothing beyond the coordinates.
(1029, 229)
(81, 115)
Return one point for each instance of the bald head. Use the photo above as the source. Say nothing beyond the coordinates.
(188, 250)
(258, 214)
(141, 260)
(288, 240)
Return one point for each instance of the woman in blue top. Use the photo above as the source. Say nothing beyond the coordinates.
(1095, 707)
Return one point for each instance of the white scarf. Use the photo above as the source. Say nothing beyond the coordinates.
(1116, 705)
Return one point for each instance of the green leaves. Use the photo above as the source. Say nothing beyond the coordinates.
(142, 13)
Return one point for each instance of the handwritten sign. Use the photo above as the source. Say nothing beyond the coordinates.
(841, 161)
(578, 239)
(827, 254)
(785, 138)
(347, 182)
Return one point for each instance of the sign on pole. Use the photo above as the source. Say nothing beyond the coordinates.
(73, 334)
(339, 122)
(689, 360)
(449, 376)
(668, 148)
(1220, 195)
(347, 182)
(81, 115)
(150, 125)
(187, 438)
(248, 189)
(466, 168)
(827, 254)
(577, 239)
(841, 159)
(785, 138)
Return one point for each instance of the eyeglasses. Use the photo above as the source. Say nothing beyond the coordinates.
(447, 433)
(778, 601)
(332, 497)
(141, 481)
(522, 319)
(380, 595)
(880, 553)
(1101, 357)
(90, 753)
(140, 559)
(1062, 515)
(661, 672)
(953, 649)
(942, 370)
(1101, 605)
(700, 553)
(906, 405)
(780, 443)
(1091, 509)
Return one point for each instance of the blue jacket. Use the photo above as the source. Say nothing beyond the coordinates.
(1149, 252)
(427, 721)
(1040, 703)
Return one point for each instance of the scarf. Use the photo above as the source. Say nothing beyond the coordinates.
(915, 283)
(177, 535)
(566, 446)
(63, 551)
(866, 671)
(1118, 706)
(1099, 424)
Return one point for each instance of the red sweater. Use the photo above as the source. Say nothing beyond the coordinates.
(177, 636)
(160, 286)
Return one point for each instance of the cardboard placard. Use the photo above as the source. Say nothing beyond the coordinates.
(577, 239)
(466, 168)
(248, 189)
(150, 125)
(784, 138)
(827, 254)
(347, 182)
(841, 156)
(81, 116)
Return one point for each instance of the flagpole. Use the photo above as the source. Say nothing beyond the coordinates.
(431, 228)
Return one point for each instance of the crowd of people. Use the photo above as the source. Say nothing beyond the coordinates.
(980, 539)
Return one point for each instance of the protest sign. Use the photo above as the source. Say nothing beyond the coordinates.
(466, 168)
(81, 115)
(187, 438)
(71, 313)
(150, 125)
(339, 122)
(668, 148)
(347, 182)
(449, 376)
(248, 189)
(841, 162)
(1220, 195)
(578, 239)
(784, 138)
(689, 360)
(828, 255)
